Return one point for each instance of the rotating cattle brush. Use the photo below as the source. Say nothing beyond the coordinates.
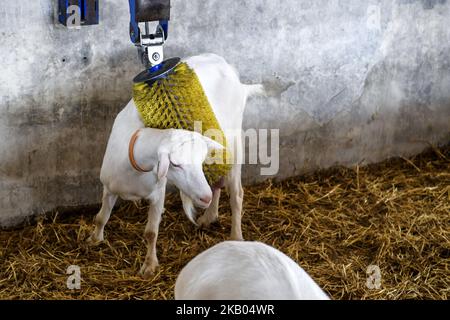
(168, 93)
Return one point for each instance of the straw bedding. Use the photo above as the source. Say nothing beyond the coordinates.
(335, 223)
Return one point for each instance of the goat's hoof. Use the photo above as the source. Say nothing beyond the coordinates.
(237, 238)
(205, 221)
(93, 241)
(147, 271)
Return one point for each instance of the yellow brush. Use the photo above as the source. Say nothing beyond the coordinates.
(176, 101)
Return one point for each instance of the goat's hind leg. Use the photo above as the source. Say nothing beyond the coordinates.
(236, 199)
(103, 216)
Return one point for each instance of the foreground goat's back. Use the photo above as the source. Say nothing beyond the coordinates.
(236, 270)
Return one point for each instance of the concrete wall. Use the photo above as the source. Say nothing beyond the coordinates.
(350, 81)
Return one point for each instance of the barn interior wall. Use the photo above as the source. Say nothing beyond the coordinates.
(349, 82)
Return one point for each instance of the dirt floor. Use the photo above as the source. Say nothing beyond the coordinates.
(335, 223)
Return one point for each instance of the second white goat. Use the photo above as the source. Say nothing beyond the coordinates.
(238, 270)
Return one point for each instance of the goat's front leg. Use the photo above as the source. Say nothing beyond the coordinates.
(151, 232)
(236, 199)
(102, 217)
(212, 213)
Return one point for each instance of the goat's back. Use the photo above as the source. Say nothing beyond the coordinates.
(221, 84)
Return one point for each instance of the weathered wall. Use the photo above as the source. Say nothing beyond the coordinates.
(60, 90)
(350, 81)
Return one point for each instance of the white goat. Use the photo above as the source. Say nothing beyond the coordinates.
(238, 270)
(164, 153)
(228, 98)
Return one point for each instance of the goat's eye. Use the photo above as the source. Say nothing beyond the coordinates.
(175, 165)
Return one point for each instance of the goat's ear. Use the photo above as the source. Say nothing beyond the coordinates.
(213, 145)
(163, 165)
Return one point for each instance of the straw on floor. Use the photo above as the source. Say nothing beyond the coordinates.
(335, 223)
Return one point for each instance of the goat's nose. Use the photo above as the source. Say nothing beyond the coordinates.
(206, 199)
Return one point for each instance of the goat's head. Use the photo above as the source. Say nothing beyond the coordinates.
(180, 158)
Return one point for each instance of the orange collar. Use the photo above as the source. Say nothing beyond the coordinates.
(131, 153)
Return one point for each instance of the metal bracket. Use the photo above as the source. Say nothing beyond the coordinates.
(150, 45)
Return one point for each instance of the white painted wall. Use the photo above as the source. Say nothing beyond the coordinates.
(350, 81)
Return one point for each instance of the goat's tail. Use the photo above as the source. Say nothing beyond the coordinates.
(253, 90)
(188, 207)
